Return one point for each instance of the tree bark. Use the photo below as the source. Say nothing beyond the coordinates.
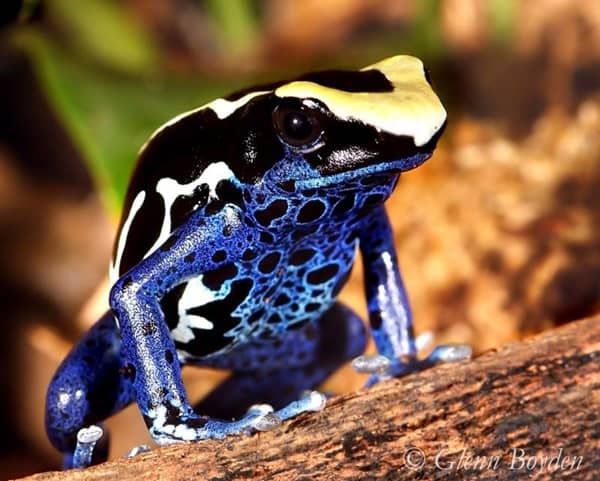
(530, 410)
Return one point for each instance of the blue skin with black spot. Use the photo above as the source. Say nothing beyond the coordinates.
(275, 248)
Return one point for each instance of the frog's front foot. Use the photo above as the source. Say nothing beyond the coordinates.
(260, 417)
(381, 367)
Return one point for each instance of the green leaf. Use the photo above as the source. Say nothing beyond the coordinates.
(102, 31)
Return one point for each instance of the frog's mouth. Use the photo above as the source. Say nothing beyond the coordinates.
(391, 169)
(400, 154)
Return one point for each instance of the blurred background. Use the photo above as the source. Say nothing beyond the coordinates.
(498, 234)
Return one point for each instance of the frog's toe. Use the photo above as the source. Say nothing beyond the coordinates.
(450, 353)
(84, 449)
(377, 365)
(381, 367)
(137, 450)
(312, 401)
(266, 420)
(260, 417)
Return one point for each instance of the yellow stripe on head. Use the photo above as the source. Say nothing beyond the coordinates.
(412, 108)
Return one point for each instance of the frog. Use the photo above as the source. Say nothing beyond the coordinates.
(241, 225)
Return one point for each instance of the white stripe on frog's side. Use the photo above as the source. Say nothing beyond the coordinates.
(222, 107)
(133, 210)
(195, 294)
(170, 189)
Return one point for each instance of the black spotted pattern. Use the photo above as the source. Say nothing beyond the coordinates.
(287, 276)
(311, 211)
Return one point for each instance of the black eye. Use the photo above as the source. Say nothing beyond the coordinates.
(297, 126)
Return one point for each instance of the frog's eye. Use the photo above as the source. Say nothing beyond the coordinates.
(298, 126)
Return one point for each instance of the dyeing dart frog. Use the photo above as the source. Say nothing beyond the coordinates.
(241, 225)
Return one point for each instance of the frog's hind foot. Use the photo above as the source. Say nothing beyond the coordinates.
(88, 386)
(87, 438)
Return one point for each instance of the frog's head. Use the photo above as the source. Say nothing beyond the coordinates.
(333, 126)
(317, 130)
(324, 131)
(339, 125)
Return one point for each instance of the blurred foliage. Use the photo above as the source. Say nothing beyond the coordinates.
(237, 22)
(109, 115)
(424, 33)
(105, 34)
(502, 15)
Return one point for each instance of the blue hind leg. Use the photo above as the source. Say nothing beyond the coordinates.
(89, 386)
(278, 372)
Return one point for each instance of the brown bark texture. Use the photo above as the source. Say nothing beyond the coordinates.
(530, 410)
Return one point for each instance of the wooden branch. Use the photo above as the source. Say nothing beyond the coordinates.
(528, 411)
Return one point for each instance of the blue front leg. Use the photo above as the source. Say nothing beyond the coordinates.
(389, 310)
(147, 344)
